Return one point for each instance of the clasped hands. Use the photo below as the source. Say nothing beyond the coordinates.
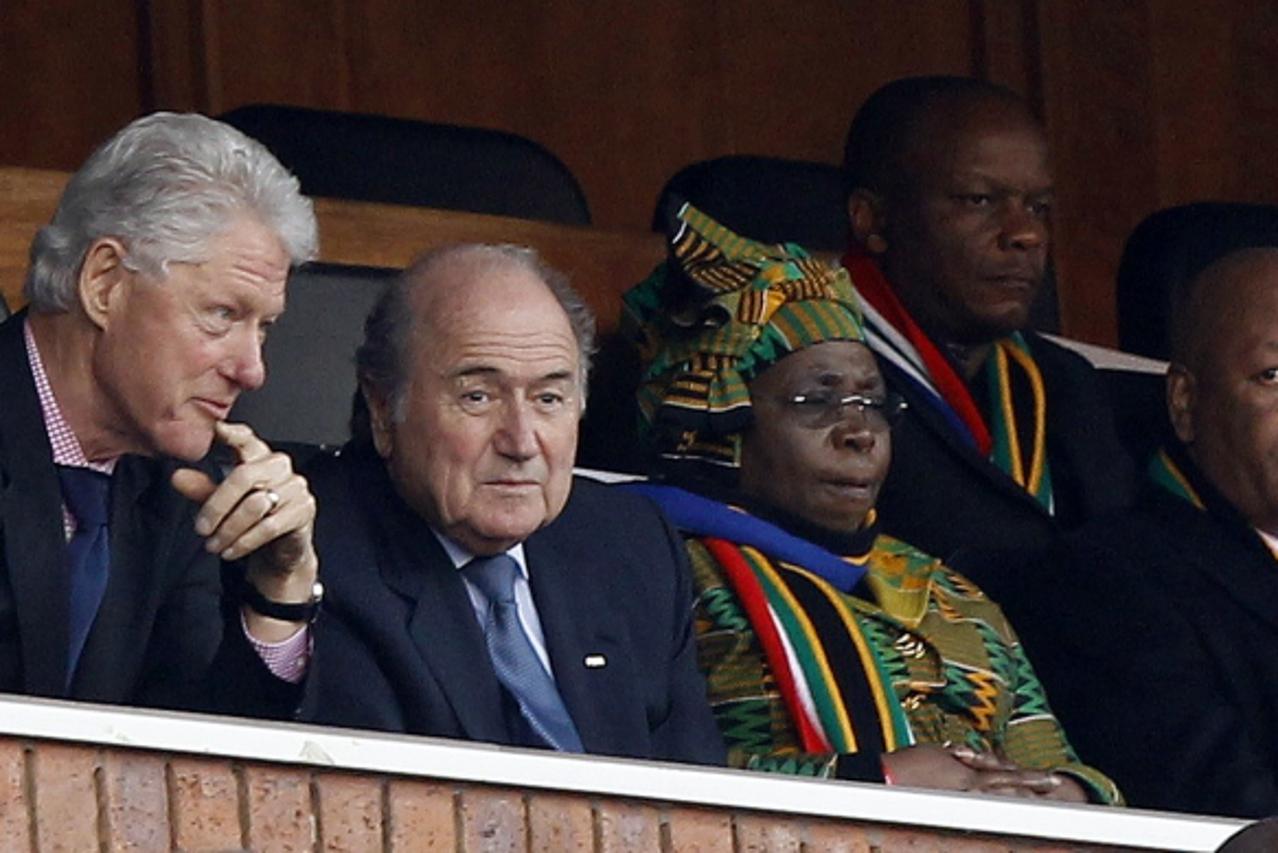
(960, 768)
(262, 512)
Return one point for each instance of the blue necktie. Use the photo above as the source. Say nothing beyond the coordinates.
(513, 656)
(88, 558)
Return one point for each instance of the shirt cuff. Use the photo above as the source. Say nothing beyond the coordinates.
(287, 659)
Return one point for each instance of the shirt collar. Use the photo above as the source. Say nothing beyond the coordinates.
(66, 447)
(1270, 541)
(460, 556)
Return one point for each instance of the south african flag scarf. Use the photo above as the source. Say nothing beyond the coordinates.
(1011, 430)
(796, 594)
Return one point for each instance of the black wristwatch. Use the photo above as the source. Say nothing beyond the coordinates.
(301, 611)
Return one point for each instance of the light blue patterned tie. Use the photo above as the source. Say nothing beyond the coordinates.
(513, 656)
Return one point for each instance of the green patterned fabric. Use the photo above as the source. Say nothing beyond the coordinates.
(1017, 417)
(950, 655)
(714, 315)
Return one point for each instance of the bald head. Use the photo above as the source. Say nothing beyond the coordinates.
(1222, 388)
(441, 282)
(1207, 308)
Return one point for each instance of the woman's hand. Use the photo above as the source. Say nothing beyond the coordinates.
(959, 768)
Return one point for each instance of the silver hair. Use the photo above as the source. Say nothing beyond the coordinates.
(382, 360)
(164, 186)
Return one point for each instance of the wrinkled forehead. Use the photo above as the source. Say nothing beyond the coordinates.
(482, 306)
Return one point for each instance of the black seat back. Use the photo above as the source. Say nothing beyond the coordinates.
(310, 356)
(402, 161)
(769, 199)
(1172, 246)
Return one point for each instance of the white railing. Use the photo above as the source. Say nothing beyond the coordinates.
(533, 769)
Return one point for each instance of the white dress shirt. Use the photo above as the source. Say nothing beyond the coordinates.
(524, 605)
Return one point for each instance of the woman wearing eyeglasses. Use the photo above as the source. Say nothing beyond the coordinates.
(829, 649)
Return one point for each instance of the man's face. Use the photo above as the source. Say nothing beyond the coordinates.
(176, 352)
(484, 443)
(968, 231)
(1225, 407)
(825, 467)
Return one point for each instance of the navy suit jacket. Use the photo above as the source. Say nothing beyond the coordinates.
(398, 647)
(1155, 632)
(942, 496)
(158, 638)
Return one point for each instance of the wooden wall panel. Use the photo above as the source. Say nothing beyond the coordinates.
(1191, 103)
(1148, 102)
(624, 93)
(290, 52)
(792, 75)
(1006, 47)
(69, 77)
(1096, 88)
(1149, 105)
(1253, 127)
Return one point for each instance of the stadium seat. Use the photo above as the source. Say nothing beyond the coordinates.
(402, 161)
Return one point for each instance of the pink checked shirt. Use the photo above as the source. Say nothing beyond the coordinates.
(287, 659)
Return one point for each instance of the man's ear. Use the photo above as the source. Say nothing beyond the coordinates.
(102, 275)
(1182, 399)
(380, 419)
(867, 218)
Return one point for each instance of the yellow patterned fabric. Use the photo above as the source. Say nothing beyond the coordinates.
(714, 315)
(951, 657)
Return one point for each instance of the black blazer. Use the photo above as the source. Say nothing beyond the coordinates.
(1155, 633)
(398, 647)
(941, 495)
(158, 636)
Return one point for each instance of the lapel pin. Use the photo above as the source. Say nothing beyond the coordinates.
(596, 661)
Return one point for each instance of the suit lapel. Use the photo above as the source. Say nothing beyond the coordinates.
(1092, 474)
(442, 625)
(31, 515)
(570, 603)
(1230, 555)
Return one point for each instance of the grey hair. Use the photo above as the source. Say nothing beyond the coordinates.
(164, 186)
(382, 361)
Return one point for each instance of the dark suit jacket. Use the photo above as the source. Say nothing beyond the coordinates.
(941, 495)
(398, 647)
(159, 629)
(1155, 632)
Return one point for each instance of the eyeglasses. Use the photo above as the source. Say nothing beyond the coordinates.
(822, 408)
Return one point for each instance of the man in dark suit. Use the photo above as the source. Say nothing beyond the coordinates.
(1155, 630)
(149, 294)
(475, 589)
(1008, 438)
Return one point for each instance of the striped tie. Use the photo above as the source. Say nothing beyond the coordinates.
(513, 656)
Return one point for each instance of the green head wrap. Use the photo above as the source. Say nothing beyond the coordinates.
(717, 313)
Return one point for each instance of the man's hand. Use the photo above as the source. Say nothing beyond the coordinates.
(262, 512)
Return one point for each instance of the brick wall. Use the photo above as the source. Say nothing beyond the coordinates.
(58, 796)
